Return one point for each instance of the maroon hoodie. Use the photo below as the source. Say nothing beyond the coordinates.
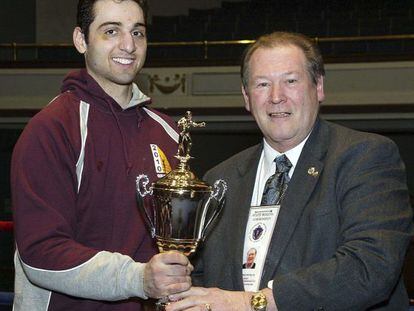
(77, 227)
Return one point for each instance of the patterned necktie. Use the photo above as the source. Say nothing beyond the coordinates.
(277, 184)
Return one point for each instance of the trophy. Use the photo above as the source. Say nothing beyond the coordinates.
(184, 206)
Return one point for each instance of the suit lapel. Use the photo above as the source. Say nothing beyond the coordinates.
(240, 205)
(301, 186)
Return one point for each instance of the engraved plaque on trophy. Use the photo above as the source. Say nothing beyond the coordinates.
(184, 206)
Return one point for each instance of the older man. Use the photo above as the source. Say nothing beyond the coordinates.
(326, 207)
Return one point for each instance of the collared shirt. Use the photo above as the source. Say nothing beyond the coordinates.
(267, 167)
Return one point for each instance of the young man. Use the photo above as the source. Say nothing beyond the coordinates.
(81, 243)
(335, 236)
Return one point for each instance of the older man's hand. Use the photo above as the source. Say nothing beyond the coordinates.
(204, 299)
(215, 299)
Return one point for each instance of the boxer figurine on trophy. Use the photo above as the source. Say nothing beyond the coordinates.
(184, 142)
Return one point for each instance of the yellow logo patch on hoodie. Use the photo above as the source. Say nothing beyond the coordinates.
(162, 166)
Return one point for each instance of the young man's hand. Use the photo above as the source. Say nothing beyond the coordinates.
(167, 273)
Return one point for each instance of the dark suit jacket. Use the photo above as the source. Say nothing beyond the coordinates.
(341, 234)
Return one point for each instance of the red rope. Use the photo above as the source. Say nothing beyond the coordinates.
(6, 226)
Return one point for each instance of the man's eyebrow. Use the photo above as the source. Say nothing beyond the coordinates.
(109, 23)
(290, 73)
(119, 24)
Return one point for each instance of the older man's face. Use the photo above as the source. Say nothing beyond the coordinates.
(281, 96)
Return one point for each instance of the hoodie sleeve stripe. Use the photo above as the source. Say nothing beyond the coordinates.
(83, 121)
(170, 131)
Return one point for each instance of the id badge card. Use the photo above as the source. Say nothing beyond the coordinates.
(259, 231)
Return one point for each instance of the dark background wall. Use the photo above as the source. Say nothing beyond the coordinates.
(52, 21)
(18, 21)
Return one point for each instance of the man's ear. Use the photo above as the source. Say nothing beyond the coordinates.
(246, 98)
(79, 40)
(320, 90)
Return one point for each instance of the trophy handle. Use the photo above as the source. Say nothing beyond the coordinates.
(142, 182)
(216, 200)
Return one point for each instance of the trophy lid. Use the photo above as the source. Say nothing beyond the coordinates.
(183, 179)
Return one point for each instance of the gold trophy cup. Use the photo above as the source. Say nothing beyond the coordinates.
(184, 206)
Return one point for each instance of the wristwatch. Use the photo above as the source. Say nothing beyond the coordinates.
(258, 302)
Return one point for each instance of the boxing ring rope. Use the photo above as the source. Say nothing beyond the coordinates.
(6, 226)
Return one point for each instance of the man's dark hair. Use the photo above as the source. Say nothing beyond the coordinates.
(86, 14)
(314, 61)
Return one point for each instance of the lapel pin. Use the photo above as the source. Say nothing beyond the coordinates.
(313, 172)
